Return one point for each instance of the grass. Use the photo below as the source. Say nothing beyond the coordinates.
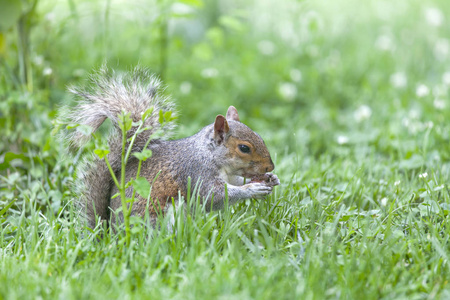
(352, 100)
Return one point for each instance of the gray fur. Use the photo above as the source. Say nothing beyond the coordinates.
(204, 157)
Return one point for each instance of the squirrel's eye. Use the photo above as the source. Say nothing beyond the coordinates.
(244, 148)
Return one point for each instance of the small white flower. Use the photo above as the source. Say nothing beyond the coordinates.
(384, 201)
(288, 32)
(382, 182)
(399, 80)
(39, 60)
(362, 113)
(47, 71)
(210, 73)
(287, 90)
(296, 75)
(423, 175)
(446, 78)
(342, 139)
(422, 90)
(397, 182)
(441, 49)
(405, 122)
(429, 124)
(50, 16)
(414, 113)
(266, 47)
(185, 87)
(439, 103)
(434, 16)
(384, 42)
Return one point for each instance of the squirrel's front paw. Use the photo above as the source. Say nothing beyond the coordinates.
(258, 190)
(269, 179)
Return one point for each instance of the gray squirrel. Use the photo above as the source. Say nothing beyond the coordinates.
(226, 152)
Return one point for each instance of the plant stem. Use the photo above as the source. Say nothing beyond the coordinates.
(112, 172)
(123, 198)
(126, 211)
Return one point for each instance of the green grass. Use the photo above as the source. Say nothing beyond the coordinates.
(351, 98)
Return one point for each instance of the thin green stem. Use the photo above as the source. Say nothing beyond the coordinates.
(126, 211)
(113, 175)
(127, 156)
(123, 198)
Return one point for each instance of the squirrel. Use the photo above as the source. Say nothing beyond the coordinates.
(224, 153)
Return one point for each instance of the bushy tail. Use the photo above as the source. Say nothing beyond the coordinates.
(107, 95)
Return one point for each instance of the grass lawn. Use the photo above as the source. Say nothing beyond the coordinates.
(351, 98)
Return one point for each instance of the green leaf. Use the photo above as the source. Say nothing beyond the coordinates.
(72, 125)
(144, 155)
(161, 117)
(101, 152)
(165, 117)
(147, 113)
(142, 187)
(168, 116)
(125, 121)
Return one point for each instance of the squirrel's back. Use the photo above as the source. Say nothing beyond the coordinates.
(171, 163)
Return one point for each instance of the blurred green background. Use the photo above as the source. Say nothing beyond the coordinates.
(351, 97)
(284, 64)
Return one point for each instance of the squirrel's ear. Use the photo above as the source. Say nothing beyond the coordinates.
(232, 114)
(220, 128)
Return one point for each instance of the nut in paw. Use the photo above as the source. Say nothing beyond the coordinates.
(268, 179)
